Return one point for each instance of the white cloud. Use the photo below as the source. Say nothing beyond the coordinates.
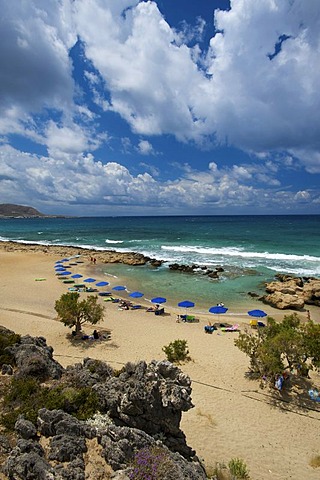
(157, 87)
(243, 92)
(35, 39)
(145, 148)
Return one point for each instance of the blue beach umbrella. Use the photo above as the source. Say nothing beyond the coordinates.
(76, 275)
(64, 273)
(158, 300)
(60, 269)
(186, 304)
(89, 280)
(257, 313)
(102, 284)
(218, 309)
(136, 294)
(119, 287)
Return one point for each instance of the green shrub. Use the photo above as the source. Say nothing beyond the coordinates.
(238, 469)
(6, 340)
(176, 351)
(25, 396)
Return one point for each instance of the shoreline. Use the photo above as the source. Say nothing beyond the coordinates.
(106, 257)
(232, 418)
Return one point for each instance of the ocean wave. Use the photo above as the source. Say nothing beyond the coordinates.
(113, 241)
(237, 252)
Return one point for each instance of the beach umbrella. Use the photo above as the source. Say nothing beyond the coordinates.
(60, 269)
(102, 284)
(218, 309)
(119, 287)
(136, 294)
(76, 275)
(257, 313)
(89, 280)
(158, 300)
(64, 273)
(186, 304)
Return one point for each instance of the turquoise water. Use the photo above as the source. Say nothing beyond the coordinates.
(251, 249)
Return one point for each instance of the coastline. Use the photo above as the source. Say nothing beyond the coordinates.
(232, 418)
(112, 257)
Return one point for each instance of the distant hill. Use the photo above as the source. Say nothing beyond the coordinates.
(18, 211)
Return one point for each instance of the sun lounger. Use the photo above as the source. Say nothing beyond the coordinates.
(104, 294)
(233, 328)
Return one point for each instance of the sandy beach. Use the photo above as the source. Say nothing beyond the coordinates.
(232, 417)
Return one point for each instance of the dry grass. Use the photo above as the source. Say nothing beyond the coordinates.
(315, 461)
(212, 422)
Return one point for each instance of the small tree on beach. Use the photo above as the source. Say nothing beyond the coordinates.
(74, 313)
(282, 345)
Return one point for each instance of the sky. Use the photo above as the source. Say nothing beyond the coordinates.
(164, 107)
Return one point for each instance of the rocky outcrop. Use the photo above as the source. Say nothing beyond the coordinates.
(107, 256)
(140, 408)
(150, 397)
(33, 357)
(62, 455)
(196, 269)
(290, 292)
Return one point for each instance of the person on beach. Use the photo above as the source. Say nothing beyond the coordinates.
(95, 334)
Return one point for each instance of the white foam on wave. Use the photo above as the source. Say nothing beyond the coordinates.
(113, 241)
(237, 252)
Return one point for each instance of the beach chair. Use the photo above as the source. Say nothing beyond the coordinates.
(160, 311)
(191, 319)
(209, 328)
(253, 323)
(233, 328)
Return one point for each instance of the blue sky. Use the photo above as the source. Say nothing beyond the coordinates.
(167, 107)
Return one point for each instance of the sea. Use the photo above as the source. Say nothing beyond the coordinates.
(250, 250)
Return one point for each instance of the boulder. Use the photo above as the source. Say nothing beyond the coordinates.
(34, 358)
(292, 292)
(284, 301)
(311, 292)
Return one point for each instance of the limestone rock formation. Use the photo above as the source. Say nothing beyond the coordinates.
(140, 408)
(290, 292)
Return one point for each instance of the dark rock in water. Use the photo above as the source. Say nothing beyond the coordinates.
(155, 263)
(253, 294)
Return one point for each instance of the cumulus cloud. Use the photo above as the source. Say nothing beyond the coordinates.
(145, 148)
(240, 94)
(82, 180)
(255, 87)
